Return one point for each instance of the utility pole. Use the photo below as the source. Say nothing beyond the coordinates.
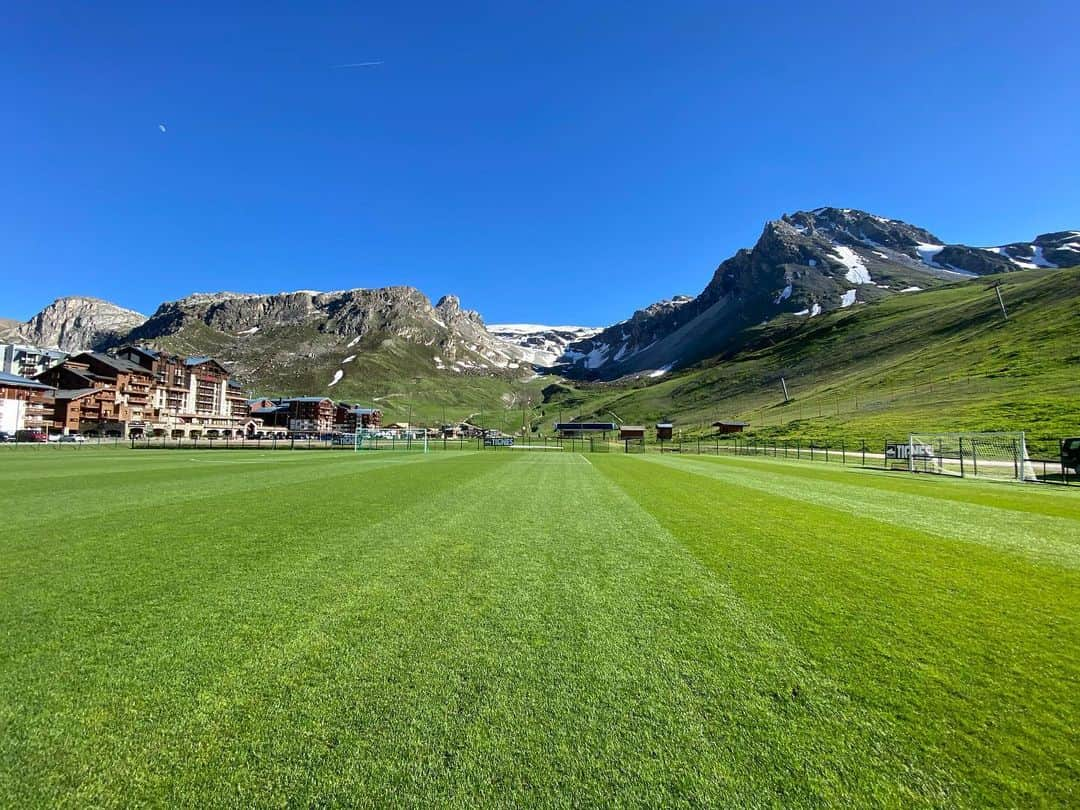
(783, 383)
(1001, 302)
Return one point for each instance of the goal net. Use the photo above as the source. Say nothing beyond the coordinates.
(1000, 456)
(367, 440)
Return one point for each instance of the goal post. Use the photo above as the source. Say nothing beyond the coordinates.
(992, 456)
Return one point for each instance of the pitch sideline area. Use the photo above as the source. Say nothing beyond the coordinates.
(525, 628)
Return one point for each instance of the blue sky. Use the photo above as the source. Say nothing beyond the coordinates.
(507, 151)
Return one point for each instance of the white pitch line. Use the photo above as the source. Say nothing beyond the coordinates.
(216, 461)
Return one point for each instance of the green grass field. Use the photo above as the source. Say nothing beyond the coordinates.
(511, 628)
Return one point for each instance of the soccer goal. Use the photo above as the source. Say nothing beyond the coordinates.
(372, 441)
(1000, 456)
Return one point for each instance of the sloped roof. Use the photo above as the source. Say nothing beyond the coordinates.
(115, 363)
(77, 393)
(153, 353)
(197, 361)
(306, 399)
(21, 382)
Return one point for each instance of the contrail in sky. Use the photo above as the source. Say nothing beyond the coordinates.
(360, 64)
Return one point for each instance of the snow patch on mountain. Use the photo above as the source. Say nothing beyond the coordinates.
(856, 270)
(927, 254)
(537, 344)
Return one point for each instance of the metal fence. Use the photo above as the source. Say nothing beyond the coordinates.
(856, 452)
(329, 443)
(869, 453)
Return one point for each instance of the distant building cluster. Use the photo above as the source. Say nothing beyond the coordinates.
(139, 391)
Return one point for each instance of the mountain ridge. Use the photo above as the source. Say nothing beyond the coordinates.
(803, 264)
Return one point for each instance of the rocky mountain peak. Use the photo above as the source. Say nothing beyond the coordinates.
(75, 323)
(448, 303)
(803, 264)
(449, 311)
(850, 226)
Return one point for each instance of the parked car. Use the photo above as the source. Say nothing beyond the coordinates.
(6, 437)
(72, 438)
(1070, 454)
(30, 436)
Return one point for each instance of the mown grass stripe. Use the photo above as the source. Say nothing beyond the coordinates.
(968, 650)
(523, 629)
(1041, 537)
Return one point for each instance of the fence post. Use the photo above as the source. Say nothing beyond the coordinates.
(843, 452)
(798, 449)
(864, 452)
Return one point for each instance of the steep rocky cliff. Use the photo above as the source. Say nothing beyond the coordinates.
(77, 322)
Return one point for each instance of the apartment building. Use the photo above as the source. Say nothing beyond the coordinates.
(191, 395)
(310, 414)
(124, 408)
(90, 411)
(349, 418)
(28, 361)
(24, 404)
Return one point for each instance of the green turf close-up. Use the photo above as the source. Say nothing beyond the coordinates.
(254, 628)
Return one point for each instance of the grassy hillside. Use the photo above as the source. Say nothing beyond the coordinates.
(397, 375)
(938, 360)
(522, 629)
